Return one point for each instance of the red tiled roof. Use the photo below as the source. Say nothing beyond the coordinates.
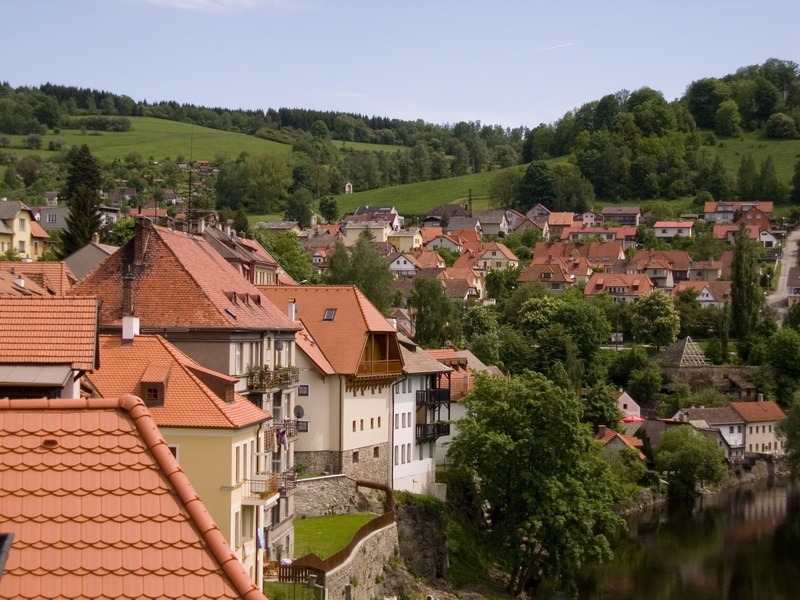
(677, 259)
(56, 277)
(765, 207)
(9, 285)
(674, 224)
(429, 233)
(721, 231)
(188, 401)
(37, 231)
(182, 282)
(721, 290)
(560, 219)
(755, 412)
(99, 508)
(546, 273)
(342, 339)
(637, 284)
(51, 330)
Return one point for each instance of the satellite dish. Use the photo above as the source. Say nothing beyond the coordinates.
(279, 345)
(299, 412)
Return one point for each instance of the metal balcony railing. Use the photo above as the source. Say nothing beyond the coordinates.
(262, 487)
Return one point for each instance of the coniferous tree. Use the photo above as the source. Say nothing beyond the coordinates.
(81, 196)
(746, 296)
(795, 192)
(746, 178)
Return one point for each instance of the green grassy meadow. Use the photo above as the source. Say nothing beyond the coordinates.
(325, 536)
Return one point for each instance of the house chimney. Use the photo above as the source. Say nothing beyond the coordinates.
(393, 322)
(95, 238)
(130, 329)
(761, 397)
(601, 431)
(127, 294)
(201, 226)
(140, 237)
(291, 309)
(18, 280)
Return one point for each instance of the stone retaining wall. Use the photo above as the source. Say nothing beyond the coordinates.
(329, 495)
(372, 463)
(360, 577)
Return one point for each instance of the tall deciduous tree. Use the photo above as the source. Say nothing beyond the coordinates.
(746, 296)
(503, 188)
(690, 458)
(285, 248)
(364, 266)
(267, 179)
(536, 186)
(435, 317)
(655, 320)
(548, 490)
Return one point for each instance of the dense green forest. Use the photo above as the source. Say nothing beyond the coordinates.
(628, 145)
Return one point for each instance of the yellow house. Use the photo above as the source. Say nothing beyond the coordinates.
(405, 239)
(223, 442)
(16, 226)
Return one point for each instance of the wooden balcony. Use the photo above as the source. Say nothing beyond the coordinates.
(380, 368)
(427, 432)
(263, 378)
(434, 397)
(290, 425)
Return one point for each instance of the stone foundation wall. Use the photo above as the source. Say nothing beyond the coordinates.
(710, 376)
(323, 462)
(368, 467)
(361, 576)
(330, 495)
(330, 462)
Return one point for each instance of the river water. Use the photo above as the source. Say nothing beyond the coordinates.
(741, 544)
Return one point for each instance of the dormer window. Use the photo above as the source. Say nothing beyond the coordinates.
(330, 313)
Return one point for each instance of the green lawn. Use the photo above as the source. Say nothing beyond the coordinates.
(325, 536)
(785, 153)
(275, 590)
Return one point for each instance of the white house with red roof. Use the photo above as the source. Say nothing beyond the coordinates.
(669, 230)
(348, 358)
(621, 287)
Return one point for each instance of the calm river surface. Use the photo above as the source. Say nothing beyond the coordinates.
(741, 544)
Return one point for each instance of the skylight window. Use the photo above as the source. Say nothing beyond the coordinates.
(330, 313)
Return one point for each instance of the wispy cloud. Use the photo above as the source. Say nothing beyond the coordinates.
(549, 48)
(217, 6)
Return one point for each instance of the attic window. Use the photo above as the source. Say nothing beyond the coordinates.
(330, 313)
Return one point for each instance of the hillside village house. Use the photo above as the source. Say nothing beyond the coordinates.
(724, 420)
(54, 278)
(19, 230)
(421, 409)
(600, 255)
(627, 216)
(727, 212)
(403, 264)
(380, 230)
(590, 218)
(760, 419)
(554, 275)
(709, 293)
(621, 287)
(203, 420)
(493, 222)
(405, 240)
(47, 344)
(99, 508)
(669, 230)
(86, 258)
(348, 358)
(445, 241)
(486, 257)
(559, 221)
(381, 213)
(459, 382)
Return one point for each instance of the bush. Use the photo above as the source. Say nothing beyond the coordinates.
(780, 127)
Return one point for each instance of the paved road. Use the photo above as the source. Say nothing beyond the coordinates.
(777, 300)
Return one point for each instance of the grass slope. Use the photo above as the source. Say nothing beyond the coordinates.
(326, 535)
(785, 153)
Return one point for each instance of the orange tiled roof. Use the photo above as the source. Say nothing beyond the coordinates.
(52, 330)
(37, 231)
(429, 233)
(56, 277)
(188, 401)
(9, 285)
(99, 508)
(755, 412)
(182, 282)
(636, 284)
(721, 290)
(560, 219)
(342, 339)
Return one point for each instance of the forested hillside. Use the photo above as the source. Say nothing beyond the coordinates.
(628, 145)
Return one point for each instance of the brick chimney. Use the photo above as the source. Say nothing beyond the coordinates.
(601, 431)
(141, 234)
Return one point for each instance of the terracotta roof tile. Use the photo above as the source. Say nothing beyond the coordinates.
(50, 330)
(342, 339)
(188, 401)
(754, 412)
(181, 282)
(76, 538)
(56, 277)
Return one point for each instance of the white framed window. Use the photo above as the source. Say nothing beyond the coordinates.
(238, 358)
(237, 529)
(396, 454)
(238, 467)
(22, 225)
(52, 217)
(22, 246)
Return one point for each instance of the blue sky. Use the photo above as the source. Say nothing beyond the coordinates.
(503, 62)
